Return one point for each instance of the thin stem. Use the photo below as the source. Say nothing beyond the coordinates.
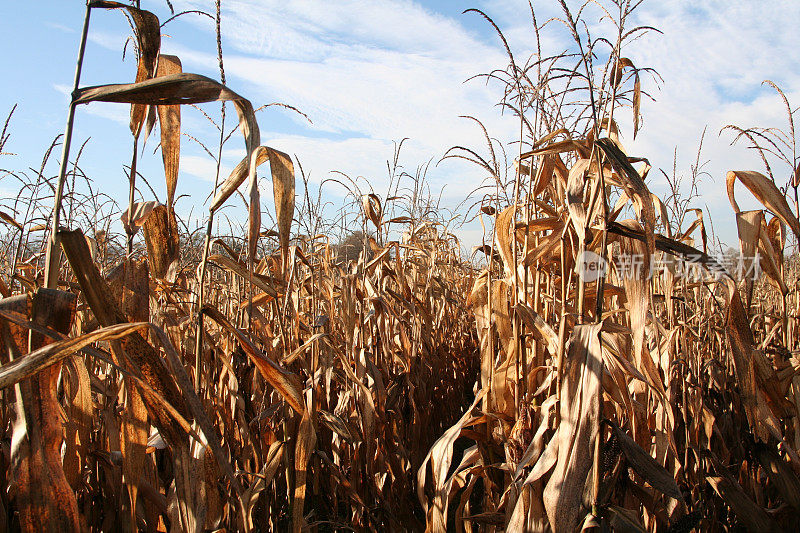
(53, 255)
(198, 345)
(132, 194)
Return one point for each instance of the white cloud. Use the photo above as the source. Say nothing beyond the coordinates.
(307, 30)
(713, 57)
(343, 65)
(109, 40)
(60, 27)
(203, 167)
(115, 112)
(370, 72)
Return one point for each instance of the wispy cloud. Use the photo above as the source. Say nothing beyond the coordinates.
(713, 57)
(372, 72)
(368, 74)
(60, 27)
(384, 70)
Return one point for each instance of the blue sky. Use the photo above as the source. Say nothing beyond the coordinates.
(369, 73)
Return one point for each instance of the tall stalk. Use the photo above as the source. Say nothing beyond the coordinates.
(53, 254)
(198, 345)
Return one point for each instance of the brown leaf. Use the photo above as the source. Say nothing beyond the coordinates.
(566, 496)
(237, 177)
(286, 383)
(161, 239)
(289, 359)
(338, 426)
(80, 419)
(239, 269)
(263, 480)
(283, 183)
(638, 297)
(749, 512)
(148, 38)
(576, 185)
(5, 217)
(557, 147)
(502, 235)
(780, 474)
(534, 322)
(133, 353)
(34, 362)
(304, 447)
(372, 209)
(545, 462)
(141, 210)
(669, 246)
(42, 493)
(201, 417)
(440, 456)
(647, 467)
(619, 70)
(740, 340)
(135, 431)
(637, 103)
(637, 191)
(178, 89)
(169, 117)
(254, 211)
(765, 192)
(625, 520)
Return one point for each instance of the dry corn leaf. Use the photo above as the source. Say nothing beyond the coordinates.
(765, 192)
(780, 474)
(740, 341)
(636, 189)
(137, 352)
(177, 89)
(196, 406)
(750, 513)
(135, 431)
(41, 490)
(284, 381)
(304, 447)
(239, 269)
(576, 186)
(80, 420)
(148, 37)
(263, 479)
(440, 457)
(283, 183)
(32, 363)
(141, 211)
(647, 467)
(8, 219)
(371, 205)
(161, 240)
(169, 116)
(625, 520)
(567, 495)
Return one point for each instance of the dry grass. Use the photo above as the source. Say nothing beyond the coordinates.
(186, 381)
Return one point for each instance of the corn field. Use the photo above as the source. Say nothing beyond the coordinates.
(260, 378)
